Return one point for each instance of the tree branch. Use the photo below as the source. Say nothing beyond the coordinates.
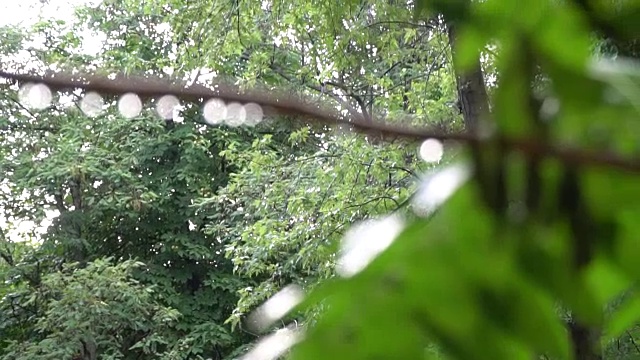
(405, 23)
(319, 89)
(285, 104)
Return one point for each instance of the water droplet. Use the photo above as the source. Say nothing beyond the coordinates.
(550, 108)
(23, 93)
(271, 347)
(253, 113)
(166, 105)
(36, 96)
(431, 150)
(214, 111)
(364, 241)
(130, 105)
(236, 114)
(435, 189)
(276, 307)
(92, 104)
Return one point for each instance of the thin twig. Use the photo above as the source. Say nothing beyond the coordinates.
(403, 23)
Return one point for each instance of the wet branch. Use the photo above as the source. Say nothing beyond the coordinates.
(282, 103)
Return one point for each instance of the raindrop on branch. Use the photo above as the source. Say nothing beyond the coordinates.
(166, 105)
(214, 111)
(130, 105)
(431, 150)
(550, 108)
(253, 113)
(92, 104)
(236, 114)
(36, 96)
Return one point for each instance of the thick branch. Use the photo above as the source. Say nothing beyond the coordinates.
(403, 23)
(285, 104)
(472, 92)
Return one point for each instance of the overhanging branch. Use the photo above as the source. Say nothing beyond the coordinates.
(275, 103)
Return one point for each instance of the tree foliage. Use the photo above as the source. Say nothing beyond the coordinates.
(176, 196)
(541, 230)
(522, 246)
(85, 309)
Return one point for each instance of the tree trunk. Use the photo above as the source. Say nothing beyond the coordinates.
(474, 105)
(584, 341)
(472, 94)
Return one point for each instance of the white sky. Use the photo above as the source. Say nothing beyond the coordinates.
(27, 12)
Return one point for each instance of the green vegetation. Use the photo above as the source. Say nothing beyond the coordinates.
(521, 243)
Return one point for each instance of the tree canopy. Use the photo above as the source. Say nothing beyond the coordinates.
(162, 232)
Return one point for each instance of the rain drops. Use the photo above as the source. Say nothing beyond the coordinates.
(234, 114)
(365, 241)
(275, 345)
(166, 106)
(92, 104)
(550, 108)
(437, 187)
(253, 113)
(215, 111)
(431, 150)
(129, 105)
(35, 96)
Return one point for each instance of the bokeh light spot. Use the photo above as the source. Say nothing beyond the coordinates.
(92, 104)
(275, 308)
(214, 111)
(364, 241)
(436, 188)
(130, 105)
(35, 96)
(166, 105)
(431, 150)
(253, 113)
(275, 345)
(236, 114)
